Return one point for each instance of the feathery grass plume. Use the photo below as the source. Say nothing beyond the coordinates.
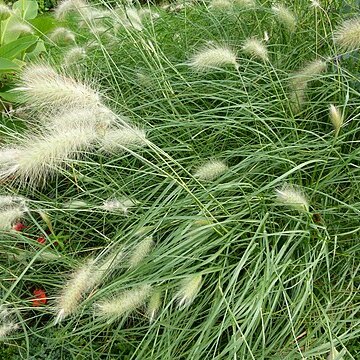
(7, 325)
(40, 156)
(41, 85)
(123, 303)
(301, 79)
(11, 201)
(116, 140)
(10, 216)
(154, 305)
(118, 205)
(255, 48)
(74, 290)
(99, 118)
(212, 57)
(245, 3)
(347, 36)
(294, 198)
(285, 16)
(315, 4)
(134, 18)
(74, 55)
(221, 4)
(62, 36)
(140, 251)
(68, 6)
(189, 288)
(336, 118)
(211, 170)
(129, 17)
(5, 12)
(22, 29)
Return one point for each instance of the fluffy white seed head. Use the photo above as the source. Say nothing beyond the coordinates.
(134, 18)
(245, 3)
(117, 140)
(123, 303)
(213, 57)
(11, 201)
(293, 198)
(221, 4)
(74, 290)
(118, 205)
(74, 55)
(5, 12)
(188, 290)
(41, 86)
(347, 36)
(99, 118)
(62, 35)
(284, 16)
(129, 18)
(315, 4)
(140, 251)
(336, 118)
(7, 328)
(21, 28)
(39, 157)
(9, 216)
(154, 305)
(68, 6)
(255, 48)
(301, 79)
(211, 170)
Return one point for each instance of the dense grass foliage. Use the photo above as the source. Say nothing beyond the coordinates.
(266, 280)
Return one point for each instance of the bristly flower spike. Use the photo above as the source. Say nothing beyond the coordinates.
(347, 36)
(292, 197)
(211, 170)
(123, 303)
(188, 290)
(336, 118)
(213, 57)
(73, 291)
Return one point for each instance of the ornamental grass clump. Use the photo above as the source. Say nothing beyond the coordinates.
(74, 290)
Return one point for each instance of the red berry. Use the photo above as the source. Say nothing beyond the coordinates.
(19, 226)
(40, 297)
(41, 240)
